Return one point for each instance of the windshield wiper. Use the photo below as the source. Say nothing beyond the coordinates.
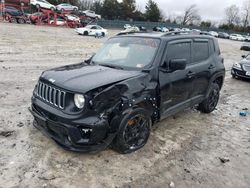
(111, 66)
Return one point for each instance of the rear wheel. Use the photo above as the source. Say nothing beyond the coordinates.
(210, 103)
(103, 34)
(38, 6)
(85, 33)
(52, 9)
(134, 131)
(75, 9)
(62, 10)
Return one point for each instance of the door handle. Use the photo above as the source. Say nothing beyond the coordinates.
(190, 74)
(211, 66)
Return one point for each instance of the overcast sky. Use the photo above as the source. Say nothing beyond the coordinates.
(208, 9)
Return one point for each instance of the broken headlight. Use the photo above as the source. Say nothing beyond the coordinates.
(79, 100)
(237, 65)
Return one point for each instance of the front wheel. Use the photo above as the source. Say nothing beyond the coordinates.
(85, 33)
(134, 131)
(210, 103)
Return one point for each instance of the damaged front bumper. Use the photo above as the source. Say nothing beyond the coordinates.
(74, 136)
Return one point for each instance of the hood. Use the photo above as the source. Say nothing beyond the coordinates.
(83, 78)
(245, 61)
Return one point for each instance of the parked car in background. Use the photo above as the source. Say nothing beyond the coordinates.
(91, 30)
(36, 16)
(72, 17)
(126, 26)
(14, 15)
(141, 28)
(185, 29)
(66, 7)
(196, 31)
(91, 14)
(245, 46)
(242, 69)
(236, 37)
(223, 35)
(42, 4)
(214, 34)
(157, 29)
(129, 30)
(247, 38)
(59, 21)
(164, 29)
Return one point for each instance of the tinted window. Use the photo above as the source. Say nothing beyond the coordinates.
(180, 50)
(201, 51)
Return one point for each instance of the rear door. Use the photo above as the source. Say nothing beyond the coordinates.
(202, 67)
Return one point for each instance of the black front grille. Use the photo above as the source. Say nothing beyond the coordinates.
(51, 95)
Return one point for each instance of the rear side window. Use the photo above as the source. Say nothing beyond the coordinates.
(180, 50)
(201, 51)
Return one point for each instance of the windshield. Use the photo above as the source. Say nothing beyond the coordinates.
(131, 52)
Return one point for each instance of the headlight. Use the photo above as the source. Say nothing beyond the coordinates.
(237, 65)
(79, 101)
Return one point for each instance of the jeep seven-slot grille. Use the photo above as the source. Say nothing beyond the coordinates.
(51, 95)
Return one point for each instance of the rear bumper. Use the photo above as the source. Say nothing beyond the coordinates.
(71, 137)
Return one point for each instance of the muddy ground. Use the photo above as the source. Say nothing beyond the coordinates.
(188, 149)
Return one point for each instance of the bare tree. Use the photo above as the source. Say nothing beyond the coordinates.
(246, 13)
(232, 15)
(191, 15)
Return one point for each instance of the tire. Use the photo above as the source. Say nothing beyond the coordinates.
(103, 34)
(52, 9)
(85, 33)
(20, 21)
(62, 10)
(210, 103)
(38, 6)
(75, 9)
(133, 132)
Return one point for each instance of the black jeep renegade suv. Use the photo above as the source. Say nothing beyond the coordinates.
(132, 82)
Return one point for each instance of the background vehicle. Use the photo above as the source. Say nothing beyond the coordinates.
(245, 46)
(91, 14)
(14, 15)
(59, 21)
(42, 4)
(129, 30)
(242, 69)
(223, 35)
(142, 79)
(236, 37)
(72, 17)
(66, 7)
(213, 33)
(126, 26)
(91, 30)
(141, 28)
(36, 16)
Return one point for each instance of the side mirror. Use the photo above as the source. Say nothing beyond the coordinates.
(243, 56)
(177, 64)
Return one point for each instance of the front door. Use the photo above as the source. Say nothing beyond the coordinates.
(176, 86)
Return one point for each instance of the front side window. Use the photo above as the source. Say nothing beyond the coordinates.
(180, 50)
(131, 52)
(200, 51)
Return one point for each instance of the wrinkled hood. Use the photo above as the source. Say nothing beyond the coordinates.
(245, 61)
(83, 78)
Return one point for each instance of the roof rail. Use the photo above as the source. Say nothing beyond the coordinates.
(132, 32)
(185, 33)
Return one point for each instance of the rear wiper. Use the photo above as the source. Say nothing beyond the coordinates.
(111, 66)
